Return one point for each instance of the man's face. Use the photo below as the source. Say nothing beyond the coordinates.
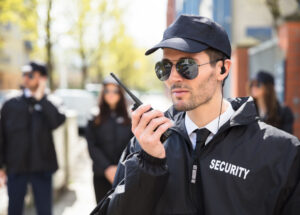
(190, 94)
(31, 80)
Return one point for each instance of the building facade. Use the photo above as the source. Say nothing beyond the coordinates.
(14, 52)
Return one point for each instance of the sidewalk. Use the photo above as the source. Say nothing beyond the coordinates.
(79, 198)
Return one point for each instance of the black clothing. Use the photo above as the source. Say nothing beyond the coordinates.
(285, 119)
(101, 186)
(248, 168)
(41, 183)
(194, 34)
(26, 143)
(106, 143)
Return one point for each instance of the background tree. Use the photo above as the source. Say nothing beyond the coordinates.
(49, 55)
(101, 13)
(20, 13)
(84, 7)
(92, 42)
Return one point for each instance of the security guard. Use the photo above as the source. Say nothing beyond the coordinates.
(27, 153)
(220, 158)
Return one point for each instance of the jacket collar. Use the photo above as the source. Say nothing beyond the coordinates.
(245, 113)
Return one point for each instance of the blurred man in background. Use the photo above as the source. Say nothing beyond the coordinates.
(269, 109)
(27, 153)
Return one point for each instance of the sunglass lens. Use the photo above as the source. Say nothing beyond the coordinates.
(29, 75)
(163, 69)
(187, 67)
(106, 91)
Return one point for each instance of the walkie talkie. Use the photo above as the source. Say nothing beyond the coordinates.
(137, 103)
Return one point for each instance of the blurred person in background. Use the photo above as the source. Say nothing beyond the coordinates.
(27, 152)
(107, 135)
(269, 109)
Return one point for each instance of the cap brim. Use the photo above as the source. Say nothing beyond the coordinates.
(26, 69)
(181, 44)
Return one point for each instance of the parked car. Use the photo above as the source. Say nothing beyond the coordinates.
(81, 101)
(95, 89)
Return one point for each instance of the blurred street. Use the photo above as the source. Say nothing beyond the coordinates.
(79, 196)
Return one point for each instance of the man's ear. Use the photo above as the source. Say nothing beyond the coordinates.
(223, 69)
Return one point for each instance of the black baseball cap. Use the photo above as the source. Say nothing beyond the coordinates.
(194, 34)
(34, 66)
(264, 77)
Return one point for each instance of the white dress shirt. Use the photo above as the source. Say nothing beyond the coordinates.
(212, 126)
(27, 93)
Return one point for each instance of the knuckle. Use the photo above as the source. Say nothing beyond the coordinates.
(161, 129)
(146, 116)
(133, 115)
(164, 127)
(156, 121)
(158, 113)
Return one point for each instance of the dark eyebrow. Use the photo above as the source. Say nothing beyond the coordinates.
(178, 59)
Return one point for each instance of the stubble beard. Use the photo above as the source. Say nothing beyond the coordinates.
(202, 95)
(193, 102)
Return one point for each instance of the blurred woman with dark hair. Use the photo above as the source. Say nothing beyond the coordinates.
(269, 109)
(107, 135)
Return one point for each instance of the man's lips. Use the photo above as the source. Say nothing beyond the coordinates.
(179, 92)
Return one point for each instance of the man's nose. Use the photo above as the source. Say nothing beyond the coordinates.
(174, 75)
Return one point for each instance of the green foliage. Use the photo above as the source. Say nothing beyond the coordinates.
(95, 27)
(114, 50)
(21, 13)
(129, 62)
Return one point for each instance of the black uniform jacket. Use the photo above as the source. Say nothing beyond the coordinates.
(248, 168)
(26, 143)
(107, 141)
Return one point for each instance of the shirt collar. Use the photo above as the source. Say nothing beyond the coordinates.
(213, 125)
(27, 93)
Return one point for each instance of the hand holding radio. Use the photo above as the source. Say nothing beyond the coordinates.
(150, 127)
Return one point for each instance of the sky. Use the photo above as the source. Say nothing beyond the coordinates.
(145, 20)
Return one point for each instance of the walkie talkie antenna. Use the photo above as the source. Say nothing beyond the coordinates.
(137, 101)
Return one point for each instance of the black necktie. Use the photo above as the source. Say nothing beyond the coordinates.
(196, 184)
(202, 135)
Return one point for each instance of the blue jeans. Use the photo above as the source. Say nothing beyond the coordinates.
(41, 183)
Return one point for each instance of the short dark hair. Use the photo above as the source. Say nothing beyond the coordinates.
(214, 54)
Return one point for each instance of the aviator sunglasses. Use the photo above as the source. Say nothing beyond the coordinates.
(30, 75)
(186, 67)
(115, 91)
(255, 84)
